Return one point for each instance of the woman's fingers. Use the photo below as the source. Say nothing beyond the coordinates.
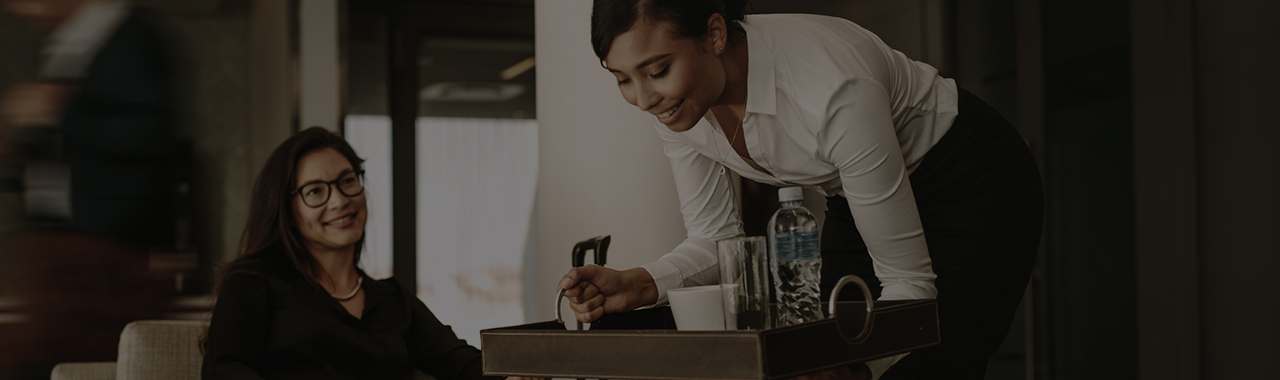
(590, 288)
(571, 283)
(589, 292)
(585, 304)
(592, 314)
(576, 291)
(576, 276)
(589, 306)
(585, 298)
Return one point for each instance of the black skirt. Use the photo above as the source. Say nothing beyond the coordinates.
(981, 204)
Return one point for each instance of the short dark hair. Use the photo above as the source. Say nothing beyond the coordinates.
(684, 18)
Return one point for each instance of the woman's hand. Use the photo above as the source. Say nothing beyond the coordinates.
(594, 290)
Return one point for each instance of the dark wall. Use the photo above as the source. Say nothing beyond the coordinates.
(985, 63)
(1239, 160)
(1088, 132)
(986, 52)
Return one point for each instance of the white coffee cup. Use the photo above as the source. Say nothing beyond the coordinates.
(698, 308)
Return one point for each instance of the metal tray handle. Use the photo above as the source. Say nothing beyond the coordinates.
(560, 297)
(835, 294)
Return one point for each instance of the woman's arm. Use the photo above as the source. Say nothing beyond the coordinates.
(710, 213)
(435, 349)
(238, 329)
(860, 140)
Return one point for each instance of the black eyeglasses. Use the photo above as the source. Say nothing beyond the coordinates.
(316, 194)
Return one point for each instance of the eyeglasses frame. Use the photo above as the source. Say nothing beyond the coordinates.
(331, 186)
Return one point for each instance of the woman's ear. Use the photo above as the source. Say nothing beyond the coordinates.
(717, 33)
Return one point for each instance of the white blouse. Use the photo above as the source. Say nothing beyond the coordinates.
(829, 107)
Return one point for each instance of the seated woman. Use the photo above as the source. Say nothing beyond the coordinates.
(294, 303)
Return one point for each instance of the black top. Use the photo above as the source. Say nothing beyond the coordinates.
(269, 323)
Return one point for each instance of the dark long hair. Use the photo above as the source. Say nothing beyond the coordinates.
(270, 235)
(684, 18)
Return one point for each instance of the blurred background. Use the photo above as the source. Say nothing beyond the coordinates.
(494, 142)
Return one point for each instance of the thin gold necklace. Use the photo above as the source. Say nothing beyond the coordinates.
(735, 136)
(359, 281)
(734, 140)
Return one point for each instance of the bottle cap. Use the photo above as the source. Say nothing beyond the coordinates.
(787, 194)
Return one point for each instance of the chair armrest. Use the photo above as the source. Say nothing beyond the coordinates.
(84, 371)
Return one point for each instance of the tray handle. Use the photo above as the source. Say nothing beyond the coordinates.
(831, 305)
(559, 297)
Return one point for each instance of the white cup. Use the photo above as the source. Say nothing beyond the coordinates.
(698, 308)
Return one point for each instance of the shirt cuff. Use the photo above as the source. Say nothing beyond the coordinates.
(665, 277)
(693, 262)
(908, 290)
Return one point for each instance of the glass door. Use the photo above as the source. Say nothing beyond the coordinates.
(442, 105)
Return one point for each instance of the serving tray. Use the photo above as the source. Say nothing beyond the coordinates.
(644, 344)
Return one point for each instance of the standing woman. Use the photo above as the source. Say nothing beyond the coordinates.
(295, 304)
(922, 177)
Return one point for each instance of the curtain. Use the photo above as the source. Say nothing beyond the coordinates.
(476, 182)
(370, 136)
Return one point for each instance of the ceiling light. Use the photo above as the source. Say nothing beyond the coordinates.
(517, 69)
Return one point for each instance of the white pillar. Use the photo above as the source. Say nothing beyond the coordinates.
(271, 106)
(318, 65)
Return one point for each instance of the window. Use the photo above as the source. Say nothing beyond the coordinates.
(474, 155)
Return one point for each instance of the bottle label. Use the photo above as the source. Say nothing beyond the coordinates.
(794, 246)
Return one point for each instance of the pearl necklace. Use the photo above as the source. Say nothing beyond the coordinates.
(359, 281)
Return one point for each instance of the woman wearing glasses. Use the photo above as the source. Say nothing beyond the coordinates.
(294, 303)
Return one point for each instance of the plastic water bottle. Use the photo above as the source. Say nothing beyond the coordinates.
(793, 245)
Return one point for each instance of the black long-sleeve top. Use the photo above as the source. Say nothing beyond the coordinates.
(271, 324)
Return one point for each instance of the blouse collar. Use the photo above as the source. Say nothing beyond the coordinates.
(761, 88)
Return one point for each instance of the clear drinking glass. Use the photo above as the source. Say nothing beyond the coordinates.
(744, 282)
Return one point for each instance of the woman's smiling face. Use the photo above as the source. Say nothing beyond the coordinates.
(675, 79)
(338, 223)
